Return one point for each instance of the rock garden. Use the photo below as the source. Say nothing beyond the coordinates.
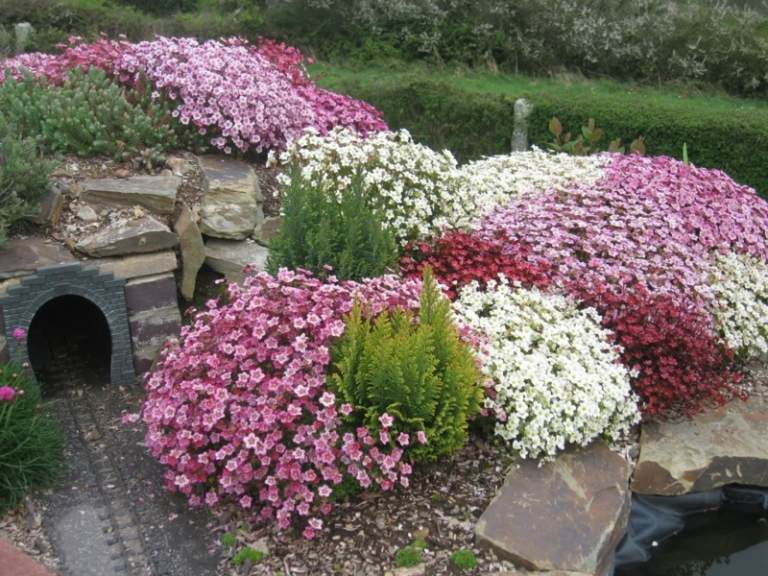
(249, 329)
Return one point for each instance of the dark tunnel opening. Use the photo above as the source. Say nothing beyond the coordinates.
(69, 341)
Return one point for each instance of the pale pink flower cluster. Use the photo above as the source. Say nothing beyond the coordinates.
(652, 220)
(242, 96)
(238, 409)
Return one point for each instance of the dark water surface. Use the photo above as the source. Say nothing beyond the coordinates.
(718, 544)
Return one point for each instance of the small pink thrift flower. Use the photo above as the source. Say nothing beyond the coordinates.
(386, 420)
(346, 409)
(403, 439)
(7, 394)
(421, 437)
(19, 334)
(327, 399)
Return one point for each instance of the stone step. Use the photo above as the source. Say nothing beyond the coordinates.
(567, 515)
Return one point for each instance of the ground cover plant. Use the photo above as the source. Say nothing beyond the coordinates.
(30, 444)
(240, 96)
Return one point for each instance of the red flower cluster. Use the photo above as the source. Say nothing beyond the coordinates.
(681, 368)
(458, 258)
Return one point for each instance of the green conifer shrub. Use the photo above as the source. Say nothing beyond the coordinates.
(416, 369)
(319, 230)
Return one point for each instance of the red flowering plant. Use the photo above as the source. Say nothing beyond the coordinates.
(458, 258)
(238, 408)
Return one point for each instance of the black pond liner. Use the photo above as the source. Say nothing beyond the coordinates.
(654, 520)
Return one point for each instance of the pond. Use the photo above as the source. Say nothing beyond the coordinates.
(722, 543)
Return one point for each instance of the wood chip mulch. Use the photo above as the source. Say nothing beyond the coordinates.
(362, 536)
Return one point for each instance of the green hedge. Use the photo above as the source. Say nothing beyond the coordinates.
(472, 123)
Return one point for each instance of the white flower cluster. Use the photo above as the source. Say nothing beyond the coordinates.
(414, 186)
(740, 285)
(558, 378)
(492, 181)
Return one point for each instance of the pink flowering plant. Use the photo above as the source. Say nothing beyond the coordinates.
(238, 95)
(238, 408)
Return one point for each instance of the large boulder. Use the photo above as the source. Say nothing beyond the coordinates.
(156, 193)
(192, 250)
(723, 446)
(230, 257)
(139, 236)
(566, 515)
(231, 206)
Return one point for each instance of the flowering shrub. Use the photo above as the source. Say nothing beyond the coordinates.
(458, 258)
(679, 366)
(558, 378)
(493, 181)
(740, 285)
(651, 220)
(242, 96)
(417, 370)
(413, 186)
(238, 409)
(30, 443)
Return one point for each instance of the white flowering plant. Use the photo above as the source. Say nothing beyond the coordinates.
(740, 285)
(413, 186)
(492, 181)
(558, 377)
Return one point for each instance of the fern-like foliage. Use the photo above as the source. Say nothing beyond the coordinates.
(415, 368)
(319, 230)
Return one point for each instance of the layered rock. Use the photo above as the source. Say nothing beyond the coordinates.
(230, 257)
(723, 446)
(20, 257)
(231, 206)
(156, 193)
(566, 515)
(192, 250)
(142, 235)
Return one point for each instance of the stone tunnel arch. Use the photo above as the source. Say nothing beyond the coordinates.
(23, 302)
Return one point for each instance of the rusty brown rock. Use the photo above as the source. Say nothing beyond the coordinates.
(566, 515)
(722, 446)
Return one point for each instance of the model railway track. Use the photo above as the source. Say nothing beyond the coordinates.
(121, 525)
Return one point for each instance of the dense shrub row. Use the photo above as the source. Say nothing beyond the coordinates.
(473, 123)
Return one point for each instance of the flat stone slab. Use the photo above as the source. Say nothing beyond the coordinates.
(140, 265)
(13, 562)
(20, 257)
(230, 257)
(728, 445)
(566, 515)
(138, 236)
(156, 193)
(231, 206)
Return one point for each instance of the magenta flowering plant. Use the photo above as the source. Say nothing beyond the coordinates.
(241, 96)
(7, 394)
(19, 334)
(238, 408)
